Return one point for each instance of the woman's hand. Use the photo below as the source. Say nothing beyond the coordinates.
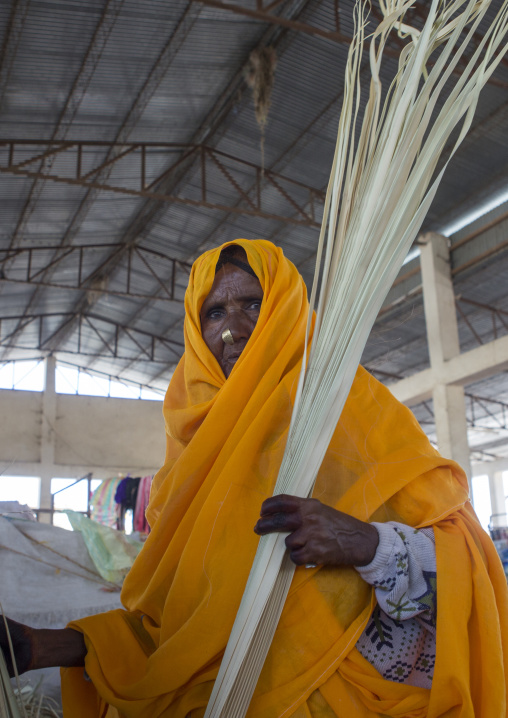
(318, 534)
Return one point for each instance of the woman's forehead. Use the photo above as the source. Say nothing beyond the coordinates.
(231, 281)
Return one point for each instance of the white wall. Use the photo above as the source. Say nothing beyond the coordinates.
(86, 433)
(109, 432)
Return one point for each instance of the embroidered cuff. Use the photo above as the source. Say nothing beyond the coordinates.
(375, 571)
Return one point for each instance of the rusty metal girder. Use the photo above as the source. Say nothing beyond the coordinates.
(499, 417)
(263, 12)
(496, 313)
(145, 93)
(17, 157)
(20, 266)
(93, 54)
(12, 35)
(494, 409)
(147, 346)
(211, 126)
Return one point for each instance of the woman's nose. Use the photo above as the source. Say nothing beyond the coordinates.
(240, 326)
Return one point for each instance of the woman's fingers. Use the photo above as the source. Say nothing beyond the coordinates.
(296, 540)
(278, 523)
(282, 503)
(300, 557)
(318, 534)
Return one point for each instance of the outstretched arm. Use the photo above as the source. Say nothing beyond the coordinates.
(41, 647)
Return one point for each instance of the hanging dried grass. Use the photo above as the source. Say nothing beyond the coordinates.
(377, 198)
(259, 75)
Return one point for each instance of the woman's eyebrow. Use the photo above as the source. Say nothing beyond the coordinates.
(252, 298)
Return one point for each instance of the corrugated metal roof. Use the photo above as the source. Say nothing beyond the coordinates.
(152, 71)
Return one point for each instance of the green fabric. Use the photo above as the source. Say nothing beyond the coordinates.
(112, 552)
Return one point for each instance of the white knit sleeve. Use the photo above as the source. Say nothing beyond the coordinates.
(403, 572)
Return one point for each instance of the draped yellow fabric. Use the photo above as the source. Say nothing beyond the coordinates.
(225, 441)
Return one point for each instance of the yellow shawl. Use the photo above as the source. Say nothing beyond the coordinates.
(225, 441)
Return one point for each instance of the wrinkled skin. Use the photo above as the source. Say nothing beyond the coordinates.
(233, 303)
(318, 534)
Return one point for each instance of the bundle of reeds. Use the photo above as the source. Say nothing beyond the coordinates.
(378, 195)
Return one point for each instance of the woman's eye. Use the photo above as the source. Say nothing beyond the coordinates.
(215, 314)
(256, 306)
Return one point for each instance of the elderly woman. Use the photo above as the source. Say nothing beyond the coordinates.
(364, 631)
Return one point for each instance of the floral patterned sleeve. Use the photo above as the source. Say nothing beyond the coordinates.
(403, 573)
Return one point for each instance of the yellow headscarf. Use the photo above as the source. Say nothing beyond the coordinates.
(225, 441)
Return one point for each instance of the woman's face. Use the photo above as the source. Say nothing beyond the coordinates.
(233, 303)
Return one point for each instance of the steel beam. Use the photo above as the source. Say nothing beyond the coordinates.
(151, 83)
(485, 402)
(19, 266)
(228, 165)
(500, 417)
(10, 44)
(263, 14)
(77, 92)
(495, 312)
(150, 345)
(212, 125)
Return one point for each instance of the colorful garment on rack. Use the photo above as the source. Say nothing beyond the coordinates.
(140, 520)
(126, 497)
(102, 502)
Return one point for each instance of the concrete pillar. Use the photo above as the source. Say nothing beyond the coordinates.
(443, 341)
(451, 425)
(438, 299)
(497, 498)
(48, 437)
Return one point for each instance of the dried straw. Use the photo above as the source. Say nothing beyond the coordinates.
(259, 75)
(36, 704)
(383, 191)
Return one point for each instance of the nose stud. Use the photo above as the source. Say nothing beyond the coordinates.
(227, 337)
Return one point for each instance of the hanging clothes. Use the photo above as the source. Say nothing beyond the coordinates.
(102, 502)
(140, 522)
(125, 497)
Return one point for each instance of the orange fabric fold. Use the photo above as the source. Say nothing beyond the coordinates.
(225, 441)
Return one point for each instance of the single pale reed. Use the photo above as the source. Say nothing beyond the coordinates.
(377, 198)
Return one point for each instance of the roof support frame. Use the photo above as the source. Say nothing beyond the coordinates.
(151, 259)
(10, 45)
(263, 13)
(226, 163)
(210, 126)
(151, 83)
(73, 101)
(95, 322)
